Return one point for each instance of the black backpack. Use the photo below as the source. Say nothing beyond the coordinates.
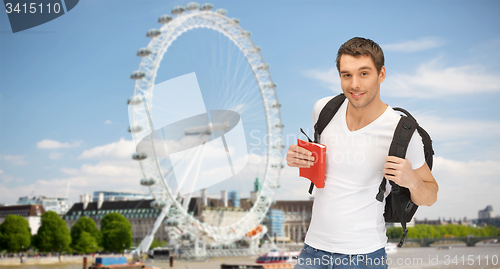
(398, 207)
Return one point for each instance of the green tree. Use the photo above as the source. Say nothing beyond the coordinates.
(452, 229)
(116, 232)
(53, 235)
(395, 232)
(413, 233)
(86, 243)
(463, 231)
(441, 229)
(88, 226)
(489, 230)
(156, 244)
(15, 234)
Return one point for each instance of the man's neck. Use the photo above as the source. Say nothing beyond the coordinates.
(358, 118)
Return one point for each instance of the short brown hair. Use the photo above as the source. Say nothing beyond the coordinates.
(357, 46)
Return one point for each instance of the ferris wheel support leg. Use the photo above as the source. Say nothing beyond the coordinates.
(146, 242)
(254, 246)
(200, 248)
(187, 172)
(199, 159)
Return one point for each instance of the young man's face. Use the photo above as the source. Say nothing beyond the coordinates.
(360, 80)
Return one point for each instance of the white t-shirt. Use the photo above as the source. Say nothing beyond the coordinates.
(346, 217)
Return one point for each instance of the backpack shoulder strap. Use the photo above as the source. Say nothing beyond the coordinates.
(399, 145)
(325, 116)
(426, 139)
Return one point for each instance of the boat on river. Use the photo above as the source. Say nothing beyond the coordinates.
(116, 263)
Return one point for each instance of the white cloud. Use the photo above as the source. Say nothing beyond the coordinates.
(55, 155)
(464, 188)
(487, 52)
(423, 43)
(329, 77)
(453, 129)
(14, 159)
(292, 187)
(111, 170)
(479, 171)
(430, 80)
(52, 144)
(114, 171)
(79, 184)
(4, 178)
(69, 171)
(121, 149)
(240, 108)
(108, 122)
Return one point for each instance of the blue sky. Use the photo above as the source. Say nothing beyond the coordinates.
(64, 86)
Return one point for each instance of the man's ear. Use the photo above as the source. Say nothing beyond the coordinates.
(381, 75)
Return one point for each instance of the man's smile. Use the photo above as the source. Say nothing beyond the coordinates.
(357, 95)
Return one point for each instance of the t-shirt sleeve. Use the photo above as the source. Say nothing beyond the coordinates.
(415, 152)
(318, 107)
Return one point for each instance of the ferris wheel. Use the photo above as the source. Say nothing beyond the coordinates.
(237, 94)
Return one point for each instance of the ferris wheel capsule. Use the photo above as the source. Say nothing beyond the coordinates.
(143, 52)
(137, 75)
(153, 33)
(136, 100)
(279, 146)
(255, 49)
(280, 166)
(171, 222)
(165, 19)
(158, 204)
(269, 85)
(186, 236)
(178, 10)
(139, 156)
(134, 129)
(235, 20)
(148, 181)
(221, 11)
(263, 67)
(206, 7)
(275, 105)
(192, 6)
(246, 33)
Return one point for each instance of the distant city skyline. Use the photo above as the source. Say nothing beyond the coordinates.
(486, 212)
(64, 86)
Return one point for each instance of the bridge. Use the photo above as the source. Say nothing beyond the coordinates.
(470, 241)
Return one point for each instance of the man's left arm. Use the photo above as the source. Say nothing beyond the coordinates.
(423, 187)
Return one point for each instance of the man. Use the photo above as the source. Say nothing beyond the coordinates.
(347, 228)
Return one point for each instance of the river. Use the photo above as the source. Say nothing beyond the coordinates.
(459, 256)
